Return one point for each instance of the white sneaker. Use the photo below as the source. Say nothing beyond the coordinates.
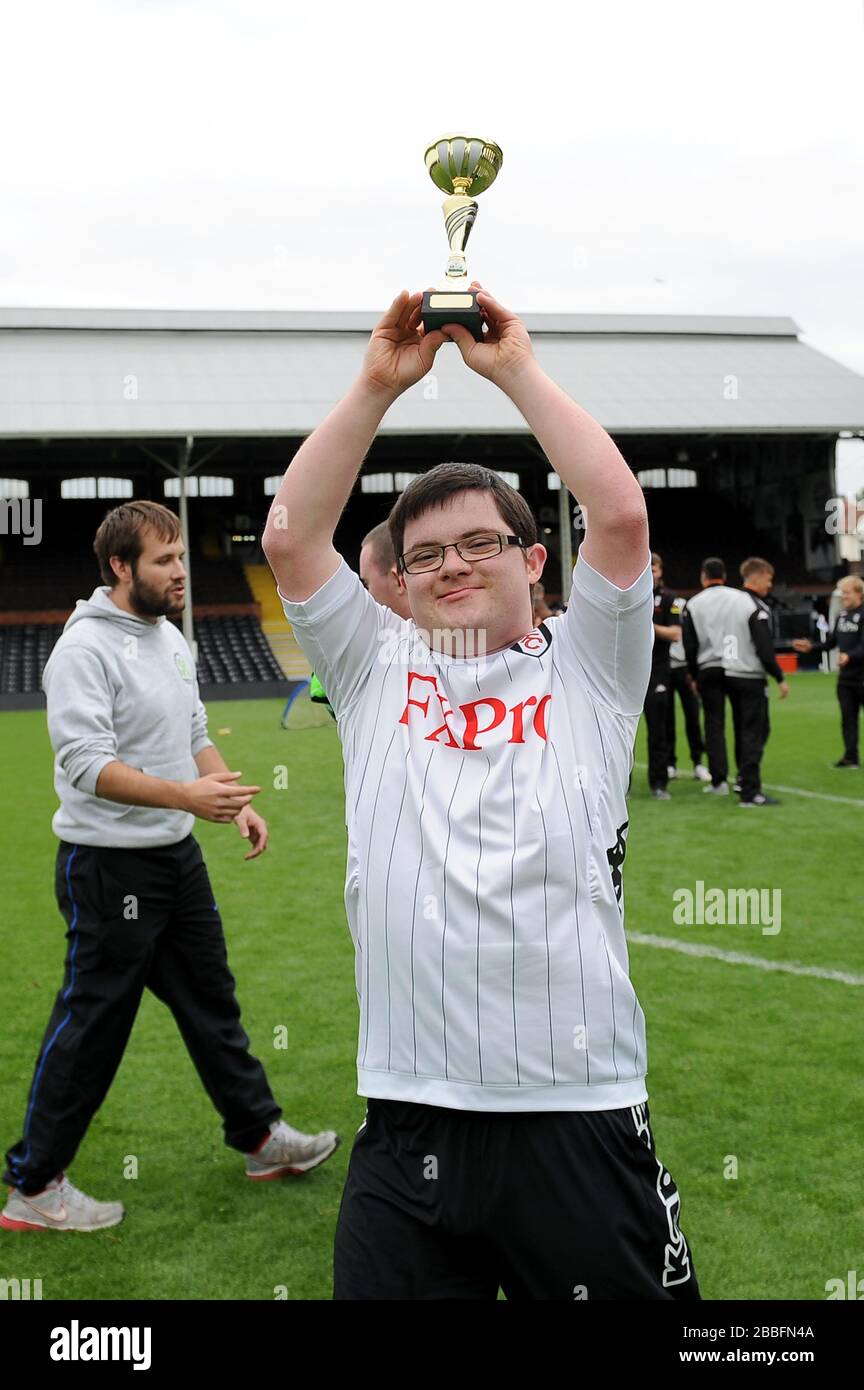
(671, 773)
(60, 1207)
(722, 790)
(701, 773)
(289, 1151)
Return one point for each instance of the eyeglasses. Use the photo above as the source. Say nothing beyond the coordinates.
(480, 547)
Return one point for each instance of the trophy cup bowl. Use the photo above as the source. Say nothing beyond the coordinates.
(460, 165)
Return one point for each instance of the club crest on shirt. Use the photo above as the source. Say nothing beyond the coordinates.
(535, 642)
(183, 666)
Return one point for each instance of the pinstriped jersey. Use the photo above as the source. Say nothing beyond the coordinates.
(487, 827)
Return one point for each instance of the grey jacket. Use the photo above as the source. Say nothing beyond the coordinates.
(729, 629)
(121, 689)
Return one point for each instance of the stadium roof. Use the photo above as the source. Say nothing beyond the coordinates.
(152, 372)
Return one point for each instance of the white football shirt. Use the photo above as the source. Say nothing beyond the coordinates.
(487, 824)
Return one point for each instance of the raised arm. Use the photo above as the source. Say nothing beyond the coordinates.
(298, 537)
(577, 446)
(590, 466)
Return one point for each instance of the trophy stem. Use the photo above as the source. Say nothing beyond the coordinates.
(460, 213)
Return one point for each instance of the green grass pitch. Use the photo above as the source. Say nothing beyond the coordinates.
(757, 1067)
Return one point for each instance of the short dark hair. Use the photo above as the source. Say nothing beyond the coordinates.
(379, 542)
(713, 568)
(447, 480)
(121, 533)
(755, 565)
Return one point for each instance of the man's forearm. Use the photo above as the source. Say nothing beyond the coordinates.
(579, 449)
(210, 760)
(315, 489)
(129, 786)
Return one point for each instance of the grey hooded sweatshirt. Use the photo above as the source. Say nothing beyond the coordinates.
(121, 689)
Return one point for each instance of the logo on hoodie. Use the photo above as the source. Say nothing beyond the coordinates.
(183, 666)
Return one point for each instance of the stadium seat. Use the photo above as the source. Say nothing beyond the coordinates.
(231, 651)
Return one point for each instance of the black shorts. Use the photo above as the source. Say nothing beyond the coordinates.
(453, 1204)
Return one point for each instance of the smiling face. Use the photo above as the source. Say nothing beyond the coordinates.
(850, 594)
(490, 597)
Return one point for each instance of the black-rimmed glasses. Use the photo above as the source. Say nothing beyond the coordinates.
(481, 546)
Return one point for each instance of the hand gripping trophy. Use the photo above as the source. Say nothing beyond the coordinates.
(459, 165)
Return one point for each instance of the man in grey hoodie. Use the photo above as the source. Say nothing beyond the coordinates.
(133, 768)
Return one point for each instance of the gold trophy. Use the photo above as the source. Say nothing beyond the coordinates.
(458, 165)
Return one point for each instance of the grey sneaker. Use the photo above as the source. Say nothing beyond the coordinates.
(289, 1151)
(701, 773)
(60, 1207)
(721, 790)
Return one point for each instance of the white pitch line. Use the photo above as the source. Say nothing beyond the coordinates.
(791, 791)
(819, 796)
(787, 967)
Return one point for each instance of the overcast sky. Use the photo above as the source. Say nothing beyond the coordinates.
(669, 157)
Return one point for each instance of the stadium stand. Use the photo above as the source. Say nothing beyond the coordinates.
(29, 584)
(234, 655)
(24, 649)
(275, 625)
(720, 526)
(232, 650)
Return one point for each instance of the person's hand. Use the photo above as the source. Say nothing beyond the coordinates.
(784, 689)
(254, 829)
(400, 352)
(215, 798)
(842, 658)
(802, 644)
(506, 349)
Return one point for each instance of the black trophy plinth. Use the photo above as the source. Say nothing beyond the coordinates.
(441, 307)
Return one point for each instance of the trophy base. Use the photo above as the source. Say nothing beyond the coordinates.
(440, 307)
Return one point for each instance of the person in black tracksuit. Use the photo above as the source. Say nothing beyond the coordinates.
(667, 629)
(745, 670)
(847, 637)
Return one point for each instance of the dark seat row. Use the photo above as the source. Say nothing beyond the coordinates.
(230, 651)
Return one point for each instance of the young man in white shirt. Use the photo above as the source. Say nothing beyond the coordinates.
(501, 1047)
